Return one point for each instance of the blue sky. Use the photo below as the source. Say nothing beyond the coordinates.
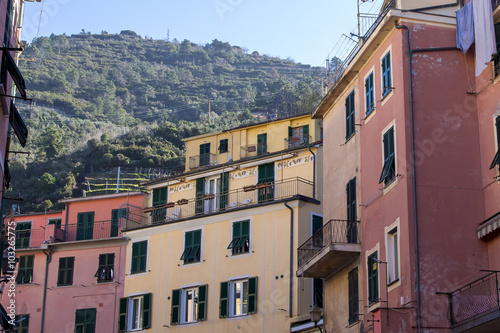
(305, 31)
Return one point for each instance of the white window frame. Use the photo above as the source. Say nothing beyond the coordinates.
(138, 240)
(184, 305)
(393, 254)
(213, 204)
(237, 255)
(138, 316)
(232, 298)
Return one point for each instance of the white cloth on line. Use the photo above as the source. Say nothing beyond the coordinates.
(465, 27)
(484, 34)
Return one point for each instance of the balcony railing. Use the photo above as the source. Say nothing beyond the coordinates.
(336, 243)
(203, 160)
(474, 299)
(253, 150)
(244, 197)
(33, 238)
(297, 141)
(494, 4)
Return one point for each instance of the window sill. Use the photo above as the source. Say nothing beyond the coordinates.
(104, 282)
(238, 317)
(64, 285)
(370, 115)
(389, 186)
(191, 264)
(189, 324)
(387, 96)
(240, 255)
(350, 137)
(390, 284)
(353, 324)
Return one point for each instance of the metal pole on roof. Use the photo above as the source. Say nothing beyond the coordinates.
(118, 181)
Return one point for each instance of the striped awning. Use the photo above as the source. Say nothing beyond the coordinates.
(490, 225)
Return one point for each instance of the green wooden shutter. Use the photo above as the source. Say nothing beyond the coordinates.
(372, 278)
(176, 307)
(122, 316)
(261, 143)
(143, 255)
(224, 189)
(353, 296)
(224, 300)
(252, 295)
(317, 223)
(135, 258)
(159, 199)
(200, 192)
(261, 177)
(202, 302)
(305, 134)
(146, 311)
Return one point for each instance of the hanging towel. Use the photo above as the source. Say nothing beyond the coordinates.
(465, 27)
(484, 34)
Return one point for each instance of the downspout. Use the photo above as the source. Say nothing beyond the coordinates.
(49, 258)
(66, 222)
(314, 172)
(414, 182)
(290, 303)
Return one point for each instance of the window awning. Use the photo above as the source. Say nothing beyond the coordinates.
(17, 123)
(488, 226)
(15, 73)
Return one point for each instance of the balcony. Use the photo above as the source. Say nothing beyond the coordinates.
(203, 160)
(248, 196)
(297, 141)
(34, 238)
(253, 150)
(330, 249)
(475, 307)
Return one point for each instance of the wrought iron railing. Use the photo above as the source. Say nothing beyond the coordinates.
(474, 298)
(297, 141)
(203, 160)
(253, 150)
(333, 232)
(243, 197)
(95, 230)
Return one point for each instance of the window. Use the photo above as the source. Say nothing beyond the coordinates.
(85, 226)
(241, 238)
(66, 266)
(205, 154)
(189, 305)
(192, 247)
(392, 256)
(352, 224)
(261, 144)
(496, 159)
(105, 271)
(139, 257)
(353, 296)
(223, 146)
(56, 222)
(23, 234)
(389, 168)
(317, 224)
(22, 323)
(265, 184)
(238, 297)
(370, 95)
(85, 320)
(159, 200)
(25, 270)
(116, 214)
(497, 57)
(373, 278)
(298, 136)
(135, 313)
(386, 74)
(349, 116)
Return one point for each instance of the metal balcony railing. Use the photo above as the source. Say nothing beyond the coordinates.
(474, 298)
(297, 141)
(29, 238)
(244, 197)
(253, 150)
(203, 160)
(333, 232)
(95, 230)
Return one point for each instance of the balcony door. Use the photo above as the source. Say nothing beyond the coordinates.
(23, 234)
(205, 154)
(212, 193)
(85, 226)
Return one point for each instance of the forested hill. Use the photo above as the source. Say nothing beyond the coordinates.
(103, 101)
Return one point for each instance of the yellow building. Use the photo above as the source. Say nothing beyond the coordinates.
(214, 249)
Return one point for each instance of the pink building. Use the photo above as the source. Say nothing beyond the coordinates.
(71, 265)
(412, 133)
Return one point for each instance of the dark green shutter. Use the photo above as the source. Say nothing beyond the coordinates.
(202, 302)
(143, 255)
(353, 296)
(261, 143)
(159, 199)
(85, 226)
(176, 307)
(305, 134)
(372, 278)
(146, 311)
(224, 189)
(200, 192)
(135, 258)
(122, 316)
(317, 223)
(252, 295)
(290, 132)
(496, 159)
(224, 299)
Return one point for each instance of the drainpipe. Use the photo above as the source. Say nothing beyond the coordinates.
(66, 222)
(49, 258)
(314, 172)
(290, 304)
(414, 181)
